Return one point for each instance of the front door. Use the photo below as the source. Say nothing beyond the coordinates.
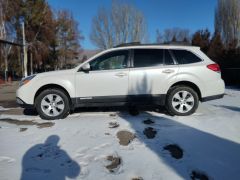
(107, 79)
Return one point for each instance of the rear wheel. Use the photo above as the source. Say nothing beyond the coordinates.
(52, 104)
(182, 101)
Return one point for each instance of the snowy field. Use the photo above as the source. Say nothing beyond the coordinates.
(86, 145)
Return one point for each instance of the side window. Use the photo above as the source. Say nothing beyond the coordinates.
(148, 57)
(112, 60)
(168, 58)
(185, 57)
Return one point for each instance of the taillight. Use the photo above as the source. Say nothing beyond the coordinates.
(214, 67)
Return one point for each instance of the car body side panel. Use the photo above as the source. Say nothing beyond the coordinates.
(209, 82)
(66, 80)
(151, 80)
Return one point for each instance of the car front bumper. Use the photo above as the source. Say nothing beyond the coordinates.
(22, 104)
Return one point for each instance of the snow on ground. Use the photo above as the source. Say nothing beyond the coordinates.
(77, 147)
(3, 109)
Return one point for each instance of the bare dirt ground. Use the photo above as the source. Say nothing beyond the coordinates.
(8, 95)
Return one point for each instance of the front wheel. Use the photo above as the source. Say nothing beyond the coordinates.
(52, 104)
(182, 101)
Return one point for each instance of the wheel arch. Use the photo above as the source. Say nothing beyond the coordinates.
(52, 86)
(189, 84)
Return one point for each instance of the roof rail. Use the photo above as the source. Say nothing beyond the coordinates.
(128, 44)
(154, 44)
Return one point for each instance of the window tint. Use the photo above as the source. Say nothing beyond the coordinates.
(168, 58)
(148, 57)
(185, 57)
(113, 60)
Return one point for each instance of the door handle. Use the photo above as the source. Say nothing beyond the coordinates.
(121, 74)
(168, 71)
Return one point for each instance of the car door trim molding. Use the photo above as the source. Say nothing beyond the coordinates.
(142, 99)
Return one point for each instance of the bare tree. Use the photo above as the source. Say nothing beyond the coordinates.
(7, 31)
(123, 23)
(68, 38)
(102, 33)
(159, 37)
(129, 23)
(175, 34)
(168, 35)
(201, 38)
(43, 33)
(227, 20)
(38, 27)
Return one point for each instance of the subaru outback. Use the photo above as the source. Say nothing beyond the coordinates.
(177, 77)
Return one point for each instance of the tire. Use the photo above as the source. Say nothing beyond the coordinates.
(176, 104)
(52, 104)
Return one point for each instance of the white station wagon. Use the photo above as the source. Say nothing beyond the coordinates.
(177, 77)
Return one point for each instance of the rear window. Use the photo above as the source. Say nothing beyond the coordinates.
(185, 57)
(148, 57)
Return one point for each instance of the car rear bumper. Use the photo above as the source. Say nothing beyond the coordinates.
(213, 89)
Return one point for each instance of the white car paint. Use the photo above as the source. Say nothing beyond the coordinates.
(102, 83)
(130, 81)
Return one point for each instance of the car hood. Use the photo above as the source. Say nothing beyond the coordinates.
(56, 73)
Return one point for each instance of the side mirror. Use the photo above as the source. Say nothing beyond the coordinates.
(86, 67)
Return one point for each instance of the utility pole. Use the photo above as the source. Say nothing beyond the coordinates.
(24, 51)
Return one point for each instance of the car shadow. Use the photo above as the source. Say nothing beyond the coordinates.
(30, 112)
(233, 108)
(131, 110)
(235, 88)
(204, 154)
(48, 161)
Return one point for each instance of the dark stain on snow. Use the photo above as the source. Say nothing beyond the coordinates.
(148, 121)
(137, 178)
(115, 162)
(18, 122)
(113, 114)
(125, 137)
(22, 129)
(113, 125)
(175, 151)
(150, 132)
(27, 123)
(45, 125)
(195, 175)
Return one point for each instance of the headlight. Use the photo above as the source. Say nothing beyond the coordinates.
(26, 80)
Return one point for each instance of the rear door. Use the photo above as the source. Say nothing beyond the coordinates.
(151, 72)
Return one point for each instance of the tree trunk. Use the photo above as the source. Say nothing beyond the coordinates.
(19, 70)
(25, 62)
(31, 63)
(6, 68)
(24, 52)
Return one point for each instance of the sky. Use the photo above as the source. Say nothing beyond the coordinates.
(159, 14)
